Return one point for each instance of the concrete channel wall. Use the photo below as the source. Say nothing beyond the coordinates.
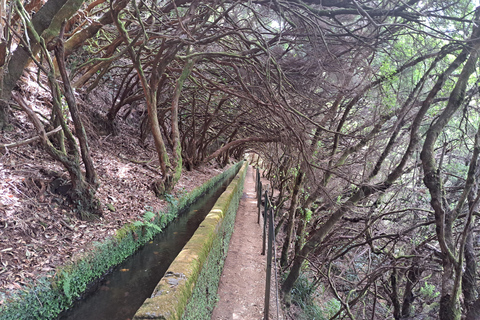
(172, 293)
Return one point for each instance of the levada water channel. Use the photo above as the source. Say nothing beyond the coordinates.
(121, 293)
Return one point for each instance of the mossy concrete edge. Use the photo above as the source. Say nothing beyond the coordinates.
(171, 294)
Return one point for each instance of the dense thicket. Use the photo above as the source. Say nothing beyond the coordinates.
(364, 114)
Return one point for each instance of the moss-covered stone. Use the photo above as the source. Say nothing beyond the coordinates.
(205, 296)
(172, 293)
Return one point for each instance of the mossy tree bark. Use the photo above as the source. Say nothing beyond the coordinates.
(150, 89)
(177, 146)
(82, 193)
(452, 257)
(291, 218)
(469, 285)
(152, 84)
(91, 175)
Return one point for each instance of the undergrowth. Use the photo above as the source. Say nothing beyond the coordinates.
(47, 297)
(305, 295)
(204, 296)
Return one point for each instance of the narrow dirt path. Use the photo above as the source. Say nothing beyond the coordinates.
(242, 284)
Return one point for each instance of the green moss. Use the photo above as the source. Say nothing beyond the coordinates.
(49, 296)
(179, 164)
(209, 243)
(204, 297)
(124, 231)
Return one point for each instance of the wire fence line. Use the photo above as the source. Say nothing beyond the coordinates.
(268, 244)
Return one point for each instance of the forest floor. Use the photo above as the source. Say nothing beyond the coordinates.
(242, 284)
(38, 229)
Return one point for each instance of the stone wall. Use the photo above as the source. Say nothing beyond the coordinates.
(172, 293)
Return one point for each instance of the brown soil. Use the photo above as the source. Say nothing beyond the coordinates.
(38, 229)
(242, 284)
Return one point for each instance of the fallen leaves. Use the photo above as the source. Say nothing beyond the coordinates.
(38, 231)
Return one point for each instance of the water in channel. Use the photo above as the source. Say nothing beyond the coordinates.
(121, 293)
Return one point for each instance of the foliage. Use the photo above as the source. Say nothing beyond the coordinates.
(170, 198)
(429, 291)
(305, 295)
(148, 217)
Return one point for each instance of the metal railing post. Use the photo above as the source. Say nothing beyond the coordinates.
(269, 263)
(259, 200)
(256, 181)
(265, 212)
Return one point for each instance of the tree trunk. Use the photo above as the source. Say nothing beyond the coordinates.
(291, 278)
(3, 15)
(394, 294)
(474, 311)
(78, 38)
(413, 275)
(151, 86)
(291, 219)
(177, 146)
(301, 227)
(315, 239)
(77, 121)
(82, 195)
(469, 285)
(444, 216)
(4, 121)
(150, 89)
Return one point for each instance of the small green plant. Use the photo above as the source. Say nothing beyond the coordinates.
(66, 286)
(170, 198)
(304, 294)
(148, 219)
(429, 291)
(303, 291)
(182, 192)
(331, 307)
(308, 214)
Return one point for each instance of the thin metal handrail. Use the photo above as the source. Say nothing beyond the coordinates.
(268, 214)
